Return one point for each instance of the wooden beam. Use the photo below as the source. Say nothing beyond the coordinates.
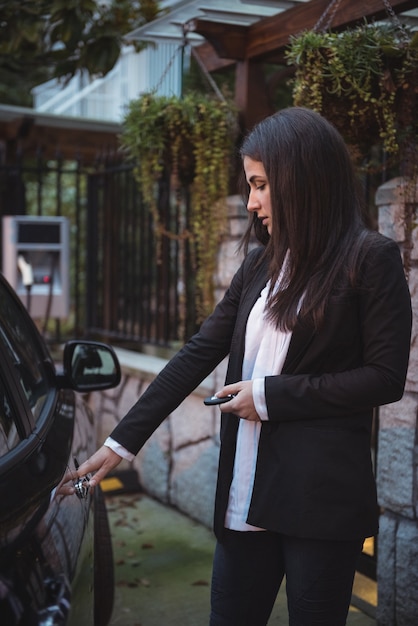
(251, 94)
(228, 40)
(211, 59)
(51, 142)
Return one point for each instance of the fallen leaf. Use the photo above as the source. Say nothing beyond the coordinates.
(200, 583)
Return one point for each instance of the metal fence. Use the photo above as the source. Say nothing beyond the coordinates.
(137, 290)
(126, 286)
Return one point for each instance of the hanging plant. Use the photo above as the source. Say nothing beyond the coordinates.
(364, 80)
(192, 139)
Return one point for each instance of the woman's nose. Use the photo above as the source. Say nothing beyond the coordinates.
(252, 204)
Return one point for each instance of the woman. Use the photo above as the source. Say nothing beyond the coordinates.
(317, 325)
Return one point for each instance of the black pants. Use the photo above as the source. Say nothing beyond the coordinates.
(249, 568)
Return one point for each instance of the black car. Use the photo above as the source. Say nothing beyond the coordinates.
(51, 570)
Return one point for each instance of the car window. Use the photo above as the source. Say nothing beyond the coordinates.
(9, 437)
(17, 338)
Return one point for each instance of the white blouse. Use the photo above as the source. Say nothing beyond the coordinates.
(265, 352)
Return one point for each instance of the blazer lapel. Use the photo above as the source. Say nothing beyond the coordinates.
(302, 337)
(249, 296)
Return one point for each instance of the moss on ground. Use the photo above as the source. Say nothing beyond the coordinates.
(163, 563)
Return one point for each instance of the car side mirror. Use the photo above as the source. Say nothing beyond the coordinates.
(89, 366)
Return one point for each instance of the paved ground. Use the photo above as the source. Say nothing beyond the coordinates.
(163, 566)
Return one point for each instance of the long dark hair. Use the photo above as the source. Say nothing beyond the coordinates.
(317, 212)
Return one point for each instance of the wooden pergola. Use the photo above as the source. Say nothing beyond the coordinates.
(248, 47)
(27, 131)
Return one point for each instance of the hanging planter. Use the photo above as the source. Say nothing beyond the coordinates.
(191, 139)
(364, 80)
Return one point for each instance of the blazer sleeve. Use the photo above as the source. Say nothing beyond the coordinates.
(360, 359)
(187, 369)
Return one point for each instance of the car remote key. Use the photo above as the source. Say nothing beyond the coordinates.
(215, 400)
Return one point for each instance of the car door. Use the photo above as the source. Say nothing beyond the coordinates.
(41, 535)
(56, 563)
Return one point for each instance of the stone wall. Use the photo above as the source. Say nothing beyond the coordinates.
(397, 560)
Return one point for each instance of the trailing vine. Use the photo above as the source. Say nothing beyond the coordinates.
(192, 139)
(365, 81)
(359, 79)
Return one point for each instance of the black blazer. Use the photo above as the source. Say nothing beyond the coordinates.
(314, 475)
